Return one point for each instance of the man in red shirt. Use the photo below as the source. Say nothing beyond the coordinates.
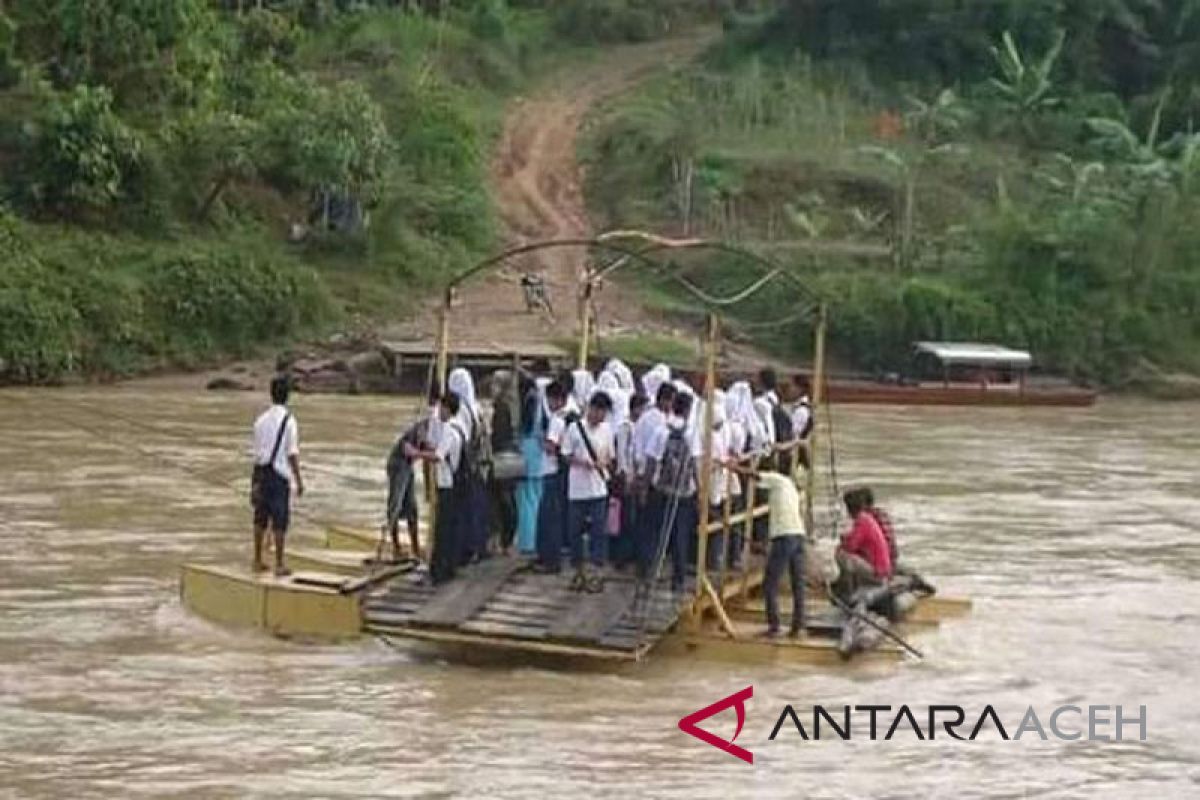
(863, 557)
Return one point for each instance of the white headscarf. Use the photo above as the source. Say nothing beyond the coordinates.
(610, 385)
(720, 413)
(740, 404)
(461, 384)
(582, 391)
(655, 378)
(623, 375)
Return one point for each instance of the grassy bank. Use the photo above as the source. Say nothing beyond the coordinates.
(184, 181)
(1022, 205)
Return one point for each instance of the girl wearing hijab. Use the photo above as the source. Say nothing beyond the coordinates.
(529, 491)
(611, 386)
(655, 378)
(474, 531)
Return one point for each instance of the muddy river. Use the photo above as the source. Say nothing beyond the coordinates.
(1074, 531)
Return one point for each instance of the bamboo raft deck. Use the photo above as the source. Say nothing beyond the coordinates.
(498, 602)
(499, 607)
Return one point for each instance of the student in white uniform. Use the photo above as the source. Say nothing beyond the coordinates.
(648, 509)
(552, 513)
(276, 465)
(672, 458)
(447, 454)
(588, 448)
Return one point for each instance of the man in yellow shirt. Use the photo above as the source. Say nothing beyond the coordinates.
(785, 537)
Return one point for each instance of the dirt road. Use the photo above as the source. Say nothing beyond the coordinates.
(537, 187)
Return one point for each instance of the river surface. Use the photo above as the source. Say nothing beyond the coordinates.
(1074, 531)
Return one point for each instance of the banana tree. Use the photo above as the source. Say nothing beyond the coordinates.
(1023, 86)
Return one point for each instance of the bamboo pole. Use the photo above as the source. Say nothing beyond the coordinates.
(747, 532)
(443, 342)
(726, 530)
(817, 400)
(443, 362)
(706, 461)
(585, 323)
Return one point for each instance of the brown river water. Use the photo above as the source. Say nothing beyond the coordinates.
(1074, 531)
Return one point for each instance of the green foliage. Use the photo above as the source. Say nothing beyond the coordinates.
(621, 20)
(1085, 256)
(647, 349)
(83, 157)
(144, 51)
(1023, 86)
(110, 307)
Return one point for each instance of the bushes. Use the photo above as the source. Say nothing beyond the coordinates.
(594, 21)
(226, 302)
(105, 306)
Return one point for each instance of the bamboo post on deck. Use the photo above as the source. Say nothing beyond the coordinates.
(818, 401)
(443, 341)
(585, 322)
(704, 489)
(443, 363)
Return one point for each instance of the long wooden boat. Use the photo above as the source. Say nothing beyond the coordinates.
(957, 394)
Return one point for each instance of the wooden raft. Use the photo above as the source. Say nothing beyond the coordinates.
(500, 603)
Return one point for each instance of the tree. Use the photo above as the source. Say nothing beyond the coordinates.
(83, 155)
(144, 51)
(1024, 87)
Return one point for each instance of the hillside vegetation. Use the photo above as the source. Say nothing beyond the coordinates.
(184, 180)
(1016, 170)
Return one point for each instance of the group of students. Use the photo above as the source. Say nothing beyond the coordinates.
(604, 469)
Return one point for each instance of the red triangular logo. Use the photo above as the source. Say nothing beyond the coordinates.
(738, 702)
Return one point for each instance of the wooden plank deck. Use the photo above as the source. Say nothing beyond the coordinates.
(458, 601)
(501, 601)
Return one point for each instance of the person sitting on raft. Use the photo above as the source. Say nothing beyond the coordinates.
(863, 558)
(913, 580)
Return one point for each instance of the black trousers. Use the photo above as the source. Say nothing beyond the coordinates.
(786, 553)
(446, 545)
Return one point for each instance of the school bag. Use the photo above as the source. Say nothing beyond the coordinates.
(677, 469)
(476, 454)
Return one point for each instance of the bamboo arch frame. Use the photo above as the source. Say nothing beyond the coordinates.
(611, 242)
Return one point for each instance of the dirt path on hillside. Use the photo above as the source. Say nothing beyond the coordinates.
(537, 186)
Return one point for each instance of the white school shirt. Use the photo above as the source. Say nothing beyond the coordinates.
(266, 430)
(644, 431)
(735, 433)
(764, 407)
(449, 452)
(554, 434)
(801, 414)
(720, 475)
(586, 483)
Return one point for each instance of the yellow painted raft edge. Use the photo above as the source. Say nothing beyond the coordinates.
(277, 605)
